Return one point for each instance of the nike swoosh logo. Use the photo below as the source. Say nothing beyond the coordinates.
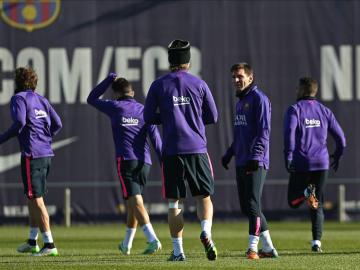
(13, 160)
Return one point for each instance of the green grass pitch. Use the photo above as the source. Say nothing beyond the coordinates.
(95, 247)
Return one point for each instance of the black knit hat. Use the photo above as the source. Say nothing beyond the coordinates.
(179, 52)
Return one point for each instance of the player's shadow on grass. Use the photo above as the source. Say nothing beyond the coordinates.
(317, 253)
(237, 254)
(66, 259)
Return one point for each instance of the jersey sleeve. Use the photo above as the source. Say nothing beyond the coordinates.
(151, 116)
(56, 124)
(290, 124)
(210, 113)
(103, 105)
(18, 115)
(262, 137)
(338, 134)
(156, 141)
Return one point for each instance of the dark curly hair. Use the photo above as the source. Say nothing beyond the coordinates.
(308, 85)
(25, 79)
(122, 87)
(245, 66)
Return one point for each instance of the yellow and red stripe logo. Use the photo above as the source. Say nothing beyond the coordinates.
(29, 14)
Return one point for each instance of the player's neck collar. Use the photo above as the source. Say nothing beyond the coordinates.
(306, 98)
(244, 92)
(125, 98)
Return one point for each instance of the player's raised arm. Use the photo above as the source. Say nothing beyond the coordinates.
(93, 99)
(18, 115)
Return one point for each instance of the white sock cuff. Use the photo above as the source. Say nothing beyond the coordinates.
(147, 225)
(47, 237)
(267, 244)
(206, 225)
(316, 242)
(33, 233)
(253, 242)
(176, 239)
(177, 245)
(149, 232)
(129, 237)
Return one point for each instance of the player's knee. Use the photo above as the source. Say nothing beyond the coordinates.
(138, 200)
(173, 205)
(244, 210)
(253, 207)
(203, 198)
(37, 202)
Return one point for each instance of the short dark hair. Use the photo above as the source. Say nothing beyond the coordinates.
(245, 66)
(122, 86)
(25, 79)
(308, 85)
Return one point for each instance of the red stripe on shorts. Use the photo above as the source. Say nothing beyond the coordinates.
(257, 230)
(123, 187)
(163, 181)
(298, 200)
(30, 193)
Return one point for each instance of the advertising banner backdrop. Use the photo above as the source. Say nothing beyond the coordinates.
(73, 45)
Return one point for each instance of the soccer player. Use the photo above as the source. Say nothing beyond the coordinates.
(132, 154)
(306, 127)
(185, 106)
(251, 150)
(35, 122)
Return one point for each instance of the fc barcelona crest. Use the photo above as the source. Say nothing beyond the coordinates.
(29, 15)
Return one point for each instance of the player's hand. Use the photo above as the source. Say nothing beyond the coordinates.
(289, 165)
(225, 160)
(251, 166)
(335, 162)
(113, 75)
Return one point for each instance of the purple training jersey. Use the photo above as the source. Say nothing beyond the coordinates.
(128, 127)
(35, 122)
(306, 127)
(186, 105)
(251, 129)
